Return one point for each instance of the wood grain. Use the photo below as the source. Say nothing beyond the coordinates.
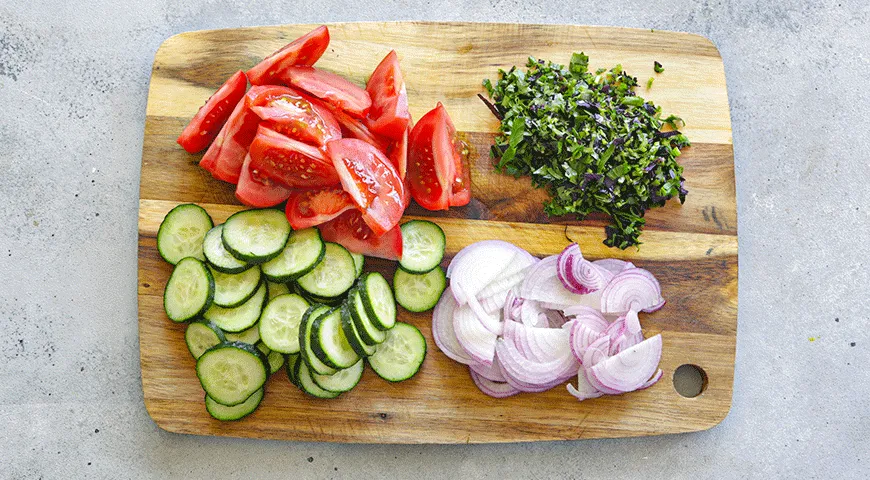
(691, 248)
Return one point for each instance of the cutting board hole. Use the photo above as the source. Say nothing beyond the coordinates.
(690, 380)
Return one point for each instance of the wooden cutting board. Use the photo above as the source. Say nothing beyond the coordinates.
(692, 248)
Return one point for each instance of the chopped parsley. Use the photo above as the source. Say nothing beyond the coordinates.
(658, 67)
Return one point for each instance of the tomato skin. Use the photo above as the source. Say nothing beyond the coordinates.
(389, 115)
(371, 180)
(211, 117)
(355, 128)
(431, 165)
(225, 156)
(398, 154)
(460, 193)
(305, 50)
(329, 87)
(296, 115)
(289, 162)
(256, 191)
(309, 208)
(350, 230)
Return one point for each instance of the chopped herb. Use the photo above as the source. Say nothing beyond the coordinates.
(658, 67)
(649, 83)
(589, 140)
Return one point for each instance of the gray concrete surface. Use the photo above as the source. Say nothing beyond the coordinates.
(73, 83)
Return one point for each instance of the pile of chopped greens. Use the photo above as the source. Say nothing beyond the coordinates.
(588, 139)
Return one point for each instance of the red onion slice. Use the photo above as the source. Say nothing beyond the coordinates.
(588, 316)
(579, 275)
(543, 284)
(596, 352)
(516, 366)
(613, 265)
(584, 390)
(652, 381)
(630, 289)
(580, 338)
(442, 329)
(478, 342)
(491, 388)
(481, 263)
(491, 322)
(489, 372)
(632, 322)
(629, 369)
(530, 314)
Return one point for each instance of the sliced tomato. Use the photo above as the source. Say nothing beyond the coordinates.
(330, 87)
(398, 154)
(256, 191)
(460, 191)
(371, 180)
(354, 128)
(431, 159)
(205, 125)
(296, 115)
(290, 162)
(225, 156)
(308, 208)
(389, 115)
(305, 50)
(351, 231)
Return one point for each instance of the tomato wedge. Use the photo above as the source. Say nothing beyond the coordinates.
(431, 161)
(351, 231)
(371, 180)
(389, 115)
(354, 128)
(330, 87)
(289, 162)
(309, 208)
(256, 191)
(225, 156)
(460, 192)
(211, 117)
(296, 115)
(398, 154)
(305, 50)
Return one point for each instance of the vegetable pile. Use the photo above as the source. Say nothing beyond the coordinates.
(337, 153)
(589, 140)
(527, 325)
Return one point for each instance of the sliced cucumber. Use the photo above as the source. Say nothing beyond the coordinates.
(276, 359)
(422, 246)
(342, 380)
(189, 291)
(333, 276)
(359, 262)
(331, 301)
(303, 252)
(353, 337)
(378, 300)
(401, 355)
(292, 365)
(218, 256)
(329, 343)
(182, 231)
(419, 292)
(256, 236)
(232, 372)
(276, 289)
(250, 336)
(234, 289)
(306, 383)
(279, 323)
(305, 329)
(224, 413)
(202, 335)
(239, 318)
(369, 334)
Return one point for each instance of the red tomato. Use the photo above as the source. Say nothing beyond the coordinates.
(398, 153)
(460, 192)
(305, 50)
(256, 191)
(389, 115)
(351, 231)
(431, 161)
(225, 156)
(308, 208)
(328, 86)
(354, 128)
(296, 115)
(205, 125)
(289, 162)
(371, 180)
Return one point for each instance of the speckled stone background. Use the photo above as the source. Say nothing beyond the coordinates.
(73, 84)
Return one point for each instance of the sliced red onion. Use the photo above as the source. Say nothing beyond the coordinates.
(652, 381)
(624, 341)
(516, 366)
(591, 300)
(494, 244)
(513, 275)
(442, 329)
(584, 390)
(489, 372)
(632, 322)
(629, 369)
(481, 263)
(630, 289)
(491, 322)
(530, 314)
(492, 305)
(655, 308)
(581, 336)
(613, 265)
(477, 341)
(616, 328)
(596, 352)
(565, 268)
(588, 316)
(543, 284)
(512, 306)
(491, 388)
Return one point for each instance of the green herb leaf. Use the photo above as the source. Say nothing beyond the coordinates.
(658, 67)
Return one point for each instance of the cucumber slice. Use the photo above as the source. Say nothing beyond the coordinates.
(237, 412)
(303, 252)
(359, 262)
(329, 343)
(401, 354)
(279, 323)
(250, 336)
(333, 276)
(422, 246)
(239, 318)
(218, 256)
(305, 329)
(342, 380)
(234, 289)
(378, 300)
(419, 292)
(189, 291)
(182, 231)
(369, 334)
(275, 359)
(202, 335)
(232, 372)
(276, 289)
(352, 335)
(256, 236)
(292, 366)
(306, 383)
